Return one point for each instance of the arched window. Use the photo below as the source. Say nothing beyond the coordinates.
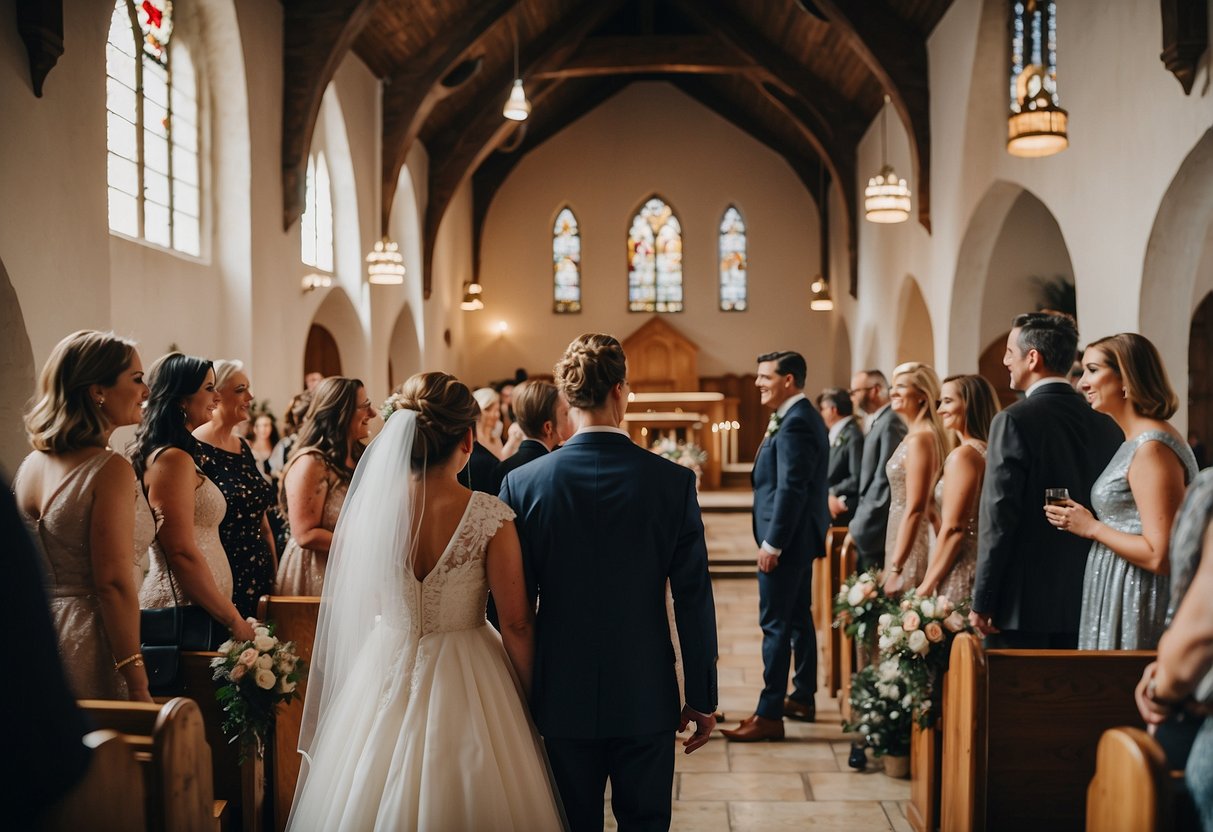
(152, 128)
(655, 259)
(733, 261)
(316, 224)
(566, 263)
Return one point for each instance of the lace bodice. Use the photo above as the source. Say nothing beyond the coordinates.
(453, 594)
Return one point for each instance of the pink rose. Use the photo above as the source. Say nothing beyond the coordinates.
(238, 672)
(934, 631)
(910, 621)
(249, 657)
(955, 622)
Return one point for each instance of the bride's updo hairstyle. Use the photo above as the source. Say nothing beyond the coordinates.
(591, 366)
(445, 411)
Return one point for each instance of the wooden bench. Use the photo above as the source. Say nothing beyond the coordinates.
(169, 741)
(826, 583)
(926, 746)
(295, 617)
(848, 659)
(1134, 790)
(1020, 729)
(110, 798)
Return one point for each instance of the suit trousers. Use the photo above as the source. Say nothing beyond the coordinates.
(641, 771)
(785, 615)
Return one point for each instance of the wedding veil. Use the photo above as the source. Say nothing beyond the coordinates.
(366, 578)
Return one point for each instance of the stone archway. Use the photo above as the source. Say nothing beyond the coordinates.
(404, 349)
(337, 318)
(915, 335)
(16, 377)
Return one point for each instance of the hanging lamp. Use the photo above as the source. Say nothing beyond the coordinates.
(517, 108)
(820, 300)
(385, 265)
(887, 197)
(1037, 125)
(472, 297)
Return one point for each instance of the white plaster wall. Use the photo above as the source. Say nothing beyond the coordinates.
(650, 138)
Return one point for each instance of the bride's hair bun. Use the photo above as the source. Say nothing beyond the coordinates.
(591, 366)
(445, 411)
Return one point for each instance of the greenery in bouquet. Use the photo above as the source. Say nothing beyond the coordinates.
(917, 633)
(859, 605)
(881, 708)
(255, 678)
(687, 454)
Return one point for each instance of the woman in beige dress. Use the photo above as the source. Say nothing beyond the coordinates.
(314, 482)
(79, 498)
(912, 471)
(188, 564)
(967, 405)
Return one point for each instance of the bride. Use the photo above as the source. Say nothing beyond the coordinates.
(415, 715)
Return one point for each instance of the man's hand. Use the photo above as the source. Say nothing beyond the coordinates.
(704, 724)
(837, 506)
(766, 561)
(983, 624)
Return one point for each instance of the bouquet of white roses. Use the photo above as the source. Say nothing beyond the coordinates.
(881, 708)
(859, 605)
(256, 677)
(687, 454)
(917, 633)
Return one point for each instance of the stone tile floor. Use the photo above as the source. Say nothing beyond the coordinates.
(801, 783)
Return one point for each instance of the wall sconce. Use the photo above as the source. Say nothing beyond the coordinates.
(502, 327)
(316, 280)
(472, 297)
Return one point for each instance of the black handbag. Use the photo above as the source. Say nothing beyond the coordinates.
(165, 632)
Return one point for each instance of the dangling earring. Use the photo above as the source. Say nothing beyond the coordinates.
(100, 401)
(1124, 394)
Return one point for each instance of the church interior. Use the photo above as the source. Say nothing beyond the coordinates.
(375, 188)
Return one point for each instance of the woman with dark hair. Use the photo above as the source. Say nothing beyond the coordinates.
(1127, 585)
(413, 696)
(189, 565)
(314, 482)
(967, 405)
(262, 437)
(246, 534)
(81, 501)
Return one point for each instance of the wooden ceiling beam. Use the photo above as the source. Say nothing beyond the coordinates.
(896, 54)
(465, 143)
(316, 35)
(411, 93)
(695, 54)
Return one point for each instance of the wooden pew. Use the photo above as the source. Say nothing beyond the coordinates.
(926, 746)
(826, 583)
(170, 742)
(1134, 790)
(110, 798)
(848, 663)
(241, 785)
(1020, 729)
(295, 617)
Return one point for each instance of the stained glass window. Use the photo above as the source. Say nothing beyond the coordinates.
(733, 261)
(655, 259)
(151, 106)
(566, 263)
(316, 224)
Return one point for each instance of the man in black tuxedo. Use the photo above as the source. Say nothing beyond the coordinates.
(846, 453)
(870, 393)
(542, 412)
(1028, 592)
(604, 524)
(791, 518)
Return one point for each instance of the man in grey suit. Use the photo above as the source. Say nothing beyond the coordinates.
(1028, 591)
(846, 453)
(870, 393)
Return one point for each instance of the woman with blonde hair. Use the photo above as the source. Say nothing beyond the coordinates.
(912, 471)
(1126, 586)
(81, 501)
(967, 405)
(314, 482)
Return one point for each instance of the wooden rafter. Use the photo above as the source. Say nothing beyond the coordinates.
(1185, 36)
(634, 55)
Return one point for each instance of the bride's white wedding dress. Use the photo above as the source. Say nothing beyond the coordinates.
(426, 727)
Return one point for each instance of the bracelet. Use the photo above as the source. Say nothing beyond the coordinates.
(137, 658)
(894, 569)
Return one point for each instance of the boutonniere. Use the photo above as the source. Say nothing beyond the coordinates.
(773, 424)
(841, 440)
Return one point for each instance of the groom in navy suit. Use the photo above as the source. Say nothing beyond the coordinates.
(791, 518)
(604, 524)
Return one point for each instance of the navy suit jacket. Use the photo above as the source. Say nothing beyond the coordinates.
(604, 524)
(791, 505)
(528, 451)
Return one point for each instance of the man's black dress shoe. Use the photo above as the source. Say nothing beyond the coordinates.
(799, 711)
(859, 757)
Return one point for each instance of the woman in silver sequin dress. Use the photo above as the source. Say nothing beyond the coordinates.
(1127, 585)
(967, 405)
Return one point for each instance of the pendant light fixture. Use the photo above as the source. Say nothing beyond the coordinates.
(472, 297)
(820, 300)
(385, 265)
(887, 198)
(1037, 125)
(517, 108)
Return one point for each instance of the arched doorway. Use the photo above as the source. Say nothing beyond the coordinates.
(1200, 377)
(16, 376)
(991, 368)
(321, 354)
(915, 336)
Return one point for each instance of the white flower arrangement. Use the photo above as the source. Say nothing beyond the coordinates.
(255, 678)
